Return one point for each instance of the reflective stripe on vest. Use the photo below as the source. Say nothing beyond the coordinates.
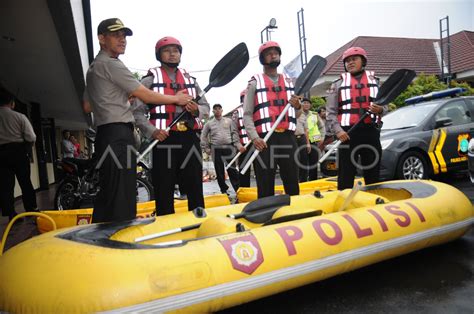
(354, 101)
(162, 115)
(243, 137)
(270, 100)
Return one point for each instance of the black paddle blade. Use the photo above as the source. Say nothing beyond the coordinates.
(310, 74)
(262, 210)
(396, 83)
(229, 66)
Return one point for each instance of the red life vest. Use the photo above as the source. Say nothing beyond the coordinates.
(243, 137)
(162, 115)
(270, 100)
(355, 98)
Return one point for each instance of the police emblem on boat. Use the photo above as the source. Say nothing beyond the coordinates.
(244, 253)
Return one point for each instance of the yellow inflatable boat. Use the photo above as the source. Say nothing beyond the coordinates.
(245, 195)
(75, 217)
(208, 260)
(83, 216)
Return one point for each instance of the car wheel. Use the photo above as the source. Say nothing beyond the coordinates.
(412, 165)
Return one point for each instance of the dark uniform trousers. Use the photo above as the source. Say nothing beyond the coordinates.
(302, 157)
(14, 161)
(281, 151)
(244, 179)
(117, 163)
(179, 154)
(221, 155)
(364, 143)
(313, 158)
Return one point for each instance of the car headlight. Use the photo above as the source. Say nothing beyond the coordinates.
(386, 143)
(471, 146)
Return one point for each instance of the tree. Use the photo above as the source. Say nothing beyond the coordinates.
(317, 102)
(425, 84)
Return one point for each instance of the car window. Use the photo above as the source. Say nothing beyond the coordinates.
(456, 110)
(406, 117)
(470, 104)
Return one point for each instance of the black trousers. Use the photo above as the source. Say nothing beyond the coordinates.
(221, 155)
(14, 161)
(313, 158)
(117, 163)
(364, 144)
(244, 179)
(302, 158)
(280, 151)
(179, 155)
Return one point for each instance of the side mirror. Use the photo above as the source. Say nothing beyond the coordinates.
(442, 122)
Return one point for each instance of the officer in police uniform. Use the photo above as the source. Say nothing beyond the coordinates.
(348, 99)
(267, 95)
(220, 139)
(109, 86)
(16, 138)
(315, 134)
(302, 141)
(179, 152)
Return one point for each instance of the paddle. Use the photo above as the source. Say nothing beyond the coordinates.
(258, 211)
(396, 83)
(223, 72)
(303, 83)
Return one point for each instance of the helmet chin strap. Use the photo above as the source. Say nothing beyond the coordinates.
(171, 64)
(273, 64)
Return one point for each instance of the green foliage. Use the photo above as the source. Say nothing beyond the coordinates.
(317, 102)
(469, 89)
(425, 84)
(137, 75)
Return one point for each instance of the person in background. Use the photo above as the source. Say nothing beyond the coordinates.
(179, 151)
(238, 118)
(16, 138)
(302, 141)
(326, 135)
(77, 146)
(220, 139)
(67, 146)
(109, 85)
(315, 133)
(349, 98)
(268, 93)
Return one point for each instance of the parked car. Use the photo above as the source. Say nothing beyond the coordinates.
(427, 137)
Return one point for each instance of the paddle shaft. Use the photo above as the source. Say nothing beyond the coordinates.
(338, 142)
(237, 156)
(274, 126)
(172, 124)
(167, 232)
(351, 196)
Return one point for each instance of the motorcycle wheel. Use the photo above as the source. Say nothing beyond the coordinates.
(65, 197)
(144, 191)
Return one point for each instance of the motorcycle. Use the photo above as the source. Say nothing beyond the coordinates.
(80, 185)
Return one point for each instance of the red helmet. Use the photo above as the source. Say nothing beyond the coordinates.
(264, 46)
(166, 41)
(354, 51)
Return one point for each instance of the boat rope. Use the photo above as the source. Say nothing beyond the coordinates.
(10, 224)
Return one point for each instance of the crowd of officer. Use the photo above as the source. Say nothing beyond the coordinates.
(167, 90)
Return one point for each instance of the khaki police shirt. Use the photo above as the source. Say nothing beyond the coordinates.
(302, 124)
(15, 127)
(219, 132)
(109, 84)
